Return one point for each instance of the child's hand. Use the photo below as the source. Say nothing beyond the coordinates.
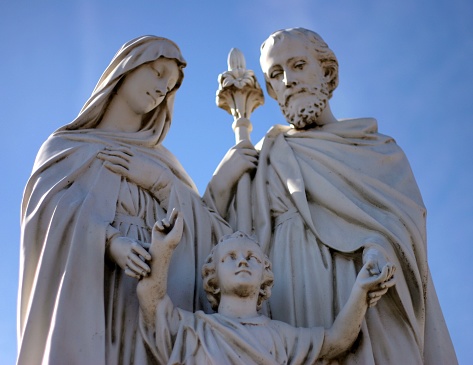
(376, 285)
(167, 231)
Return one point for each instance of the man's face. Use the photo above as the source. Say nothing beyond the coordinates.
(239, 267)
(297, 79)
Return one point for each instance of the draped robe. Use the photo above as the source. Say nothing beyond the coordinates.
(75, 305)
(181, 337)
(319, 198)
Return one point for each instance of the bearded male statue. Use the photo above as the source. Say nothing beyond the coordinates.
(328, 196)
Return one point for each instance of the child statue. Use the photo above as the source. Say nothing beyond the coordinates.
(238, 278)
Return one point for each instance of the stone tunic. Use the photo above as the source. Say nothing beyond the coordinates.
(320, 197)
(182, 337)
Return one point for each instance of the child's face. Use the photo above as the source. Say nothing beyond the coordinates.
(239, 267)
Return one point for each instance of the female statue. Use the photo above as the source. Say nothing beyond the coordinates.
(97, 187)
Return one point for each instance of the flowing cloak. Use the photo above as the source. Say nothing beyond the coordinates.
(321, 197)
(182, 337)
(75, 306)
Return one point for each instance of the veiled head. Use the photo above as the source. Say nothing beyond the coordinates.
(132, 55)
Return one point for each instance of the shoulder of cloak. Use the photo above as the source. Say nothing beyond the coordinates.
(61, 144)
(60, 162)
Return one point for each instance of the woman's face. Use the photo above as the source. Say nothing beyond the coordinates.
(146, 87)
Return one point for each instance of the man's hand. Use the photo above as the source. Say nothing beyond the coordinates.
(238, 160)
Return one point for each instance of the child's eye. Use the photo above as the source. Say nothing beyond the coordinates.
(253, 257)
(299, 65)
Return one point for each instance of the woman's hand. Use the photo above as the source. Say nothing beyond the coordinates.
(136, 167)
(130, 255)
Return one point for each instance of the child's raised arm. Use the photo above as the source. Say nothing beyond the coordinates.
(365, 293)
(166, 235)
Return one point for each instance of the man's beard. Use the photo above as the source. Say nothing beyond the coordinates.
(303, 106)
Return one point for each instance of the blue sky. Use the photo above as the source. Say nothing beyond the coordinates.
(408, 64)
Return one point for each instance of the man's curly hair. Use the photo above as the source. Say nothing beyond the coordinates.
(209, 274)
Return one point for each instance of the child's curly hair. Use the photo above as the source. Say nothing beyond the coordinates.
(210, 278)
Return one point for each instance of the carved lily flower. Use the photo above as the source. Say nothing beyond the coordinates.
(237, 74)
(238, 78)
(239, 92)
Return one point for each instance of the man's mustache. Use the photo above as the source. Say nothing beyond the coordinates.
(296, 91)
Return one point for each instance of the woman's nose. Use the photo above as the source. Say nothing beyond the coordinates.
(160, 88)
(159, 91)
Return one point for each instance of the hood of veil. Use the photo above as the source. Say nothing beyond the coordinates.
(132, 54)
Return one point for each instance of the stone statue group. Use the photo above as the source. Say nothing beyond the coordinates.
(123, 262)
